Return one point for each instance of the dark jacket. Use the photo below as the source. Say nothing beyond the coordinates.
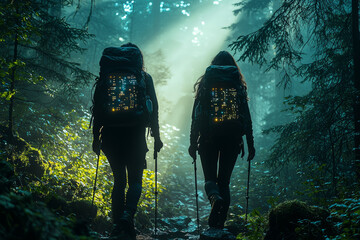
(154, 119)
(199, 131)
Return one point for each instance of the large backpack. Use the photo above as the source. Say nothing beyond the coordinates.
(121, 97)
(221, 98)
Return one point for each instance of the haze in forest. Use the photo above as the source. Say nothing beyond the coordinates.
(301, 63)
(189, 47)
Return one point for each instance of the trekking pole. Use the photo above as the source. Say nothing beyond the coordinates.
(97, 167)
(156, 192)
(247, 192)
(197, 198)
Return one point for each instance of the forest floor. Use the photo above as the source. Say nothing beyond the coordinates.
(171, 236)
(177, 234)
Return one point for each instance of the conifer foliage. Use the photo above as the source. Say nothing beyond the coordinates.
(37, 72)
(310, 41)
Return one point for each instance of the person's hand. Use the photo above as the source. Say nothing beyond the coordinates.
(158, 145)
(192, 151)
(251, 153)
(242, 150)
(96, 147)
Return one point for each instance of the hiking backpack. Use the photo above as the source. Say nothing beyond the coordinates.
(221, 98)
(121, 97)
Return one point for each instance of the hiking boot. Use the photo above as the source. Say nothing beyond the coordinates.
(117, 232)
(127, 223)
(121, 235)
(222, 217)
(216, 205)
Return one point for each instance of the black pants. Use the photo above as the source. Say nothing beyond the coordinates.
(125, 150)
(224, 152)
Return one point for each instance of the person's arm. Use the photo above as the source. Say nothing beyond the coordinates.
(154, 118)
(96, 122)
(248, 130)
(194, 130)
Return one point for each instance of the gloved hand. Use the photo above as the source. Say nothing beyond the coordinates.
(96, 147)
(158, 145)
(251, 150)
(192, 151)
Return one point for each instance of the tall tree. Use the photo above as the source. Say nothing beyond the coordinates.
(12, 76)
(310, 39)
(356, 54)
(156, 16)
(37, 73)
(265, 87)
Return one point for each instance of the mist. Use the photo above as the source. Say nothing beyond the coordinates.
(189, 46)
(296, 171)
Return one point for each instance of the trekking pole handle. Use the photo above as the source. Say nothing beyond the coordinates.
(155, 154)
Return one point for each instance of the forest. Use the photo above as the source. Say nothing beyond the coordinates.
(300, 60)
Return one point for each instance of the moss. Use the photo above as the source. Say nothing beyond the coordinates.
(292, 211)
(102, 225)
(24, 218)
(32, 162)
(26, 160)
(83, 209)
(298, 220)
(6, 176)
(56, 202)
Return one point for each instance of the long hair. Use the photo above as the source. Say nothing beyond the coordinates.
(223, 58)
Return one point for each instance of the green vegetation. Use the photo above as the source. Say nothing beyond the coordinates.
(304, 181)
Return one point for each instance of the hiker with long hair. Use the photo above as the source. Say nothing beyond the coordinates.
(219, 120)
(124, 104)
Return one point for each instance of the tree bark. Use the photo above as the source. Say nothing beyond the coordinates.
(356, 56)
(12, 85)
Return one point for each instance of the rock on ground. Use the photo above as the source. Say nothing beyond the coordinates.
(298, 220)
(216, 234)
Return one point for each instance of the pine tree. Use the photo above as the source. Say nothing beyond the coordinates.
(38, 79)
(356, 56)
(311, 39)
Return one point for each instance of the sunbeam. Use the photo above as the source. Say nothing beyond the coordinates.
(188, 47)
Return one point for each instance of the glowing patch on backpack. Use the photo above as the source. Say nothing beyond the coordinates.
(122, 92)
(223, 105)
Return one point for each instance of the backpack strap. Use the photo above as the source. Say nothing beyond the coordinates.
(146, 80)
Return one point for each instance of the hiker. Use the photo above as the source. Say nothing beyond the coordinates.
(220, 118)
(124, 104)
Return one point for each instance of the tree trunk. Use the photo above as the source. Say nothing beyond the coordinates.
(132, 23)
(55, 9)
(334, 163)
(12, 87)
(156, 17)
(356, 51)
